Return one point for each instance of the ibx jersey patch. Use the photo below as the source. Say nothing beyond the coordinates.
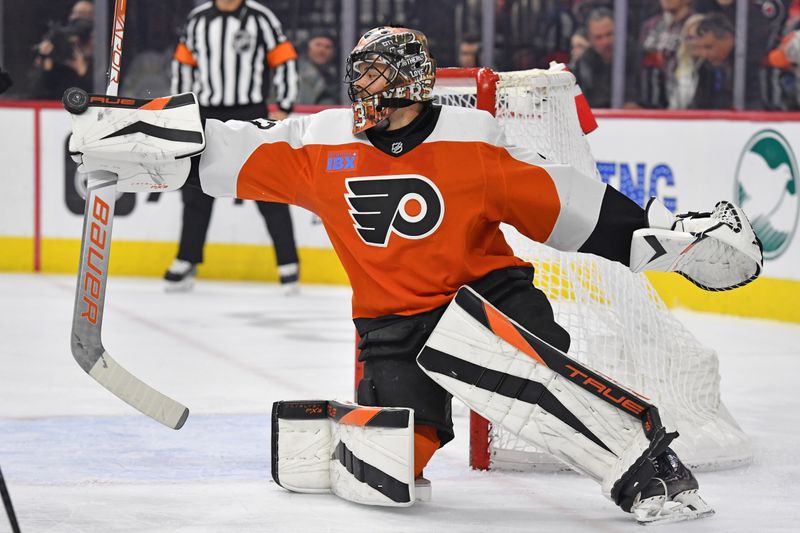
(409, 205)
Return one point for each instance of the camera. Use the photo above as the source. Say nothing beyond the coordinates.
(66, 36)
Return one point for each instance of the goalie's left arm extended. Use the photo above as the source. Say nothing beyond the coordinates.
(557, 205)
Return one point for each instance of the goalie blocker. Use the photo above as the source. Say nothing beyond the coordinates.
(147, 144)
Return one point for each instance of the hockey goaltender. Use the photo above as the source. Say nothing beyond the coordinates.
(412, 195)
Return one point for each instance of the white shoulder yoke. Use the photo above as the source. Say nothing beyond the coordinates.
(332, 127)
(462, 124)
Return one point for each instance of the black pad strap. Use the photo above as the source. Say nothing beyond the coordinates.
(631, 483)
(377, 479)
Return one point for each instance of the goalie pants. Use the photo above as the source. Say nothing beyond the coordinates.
(197, 206)
(390, 344)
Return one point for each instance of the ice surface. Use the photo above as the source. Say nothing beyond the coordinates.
(77, 459)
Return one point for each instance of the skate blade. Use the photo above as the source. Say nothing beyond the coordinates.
(687, 505)
(185, 285)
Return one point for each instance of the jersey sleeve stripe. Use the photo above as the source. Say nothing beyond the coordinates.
(581, 199)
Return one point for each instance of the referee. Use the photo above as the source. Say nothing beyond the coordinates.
(229, 51)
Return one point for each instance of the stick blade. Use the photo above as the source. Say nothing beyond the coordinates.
(137, 393)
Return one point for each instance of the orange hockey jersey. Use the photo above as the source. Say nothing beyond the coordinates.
(409, 230)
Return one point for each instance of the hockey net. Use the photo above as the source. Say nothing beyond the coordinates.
(618, 323)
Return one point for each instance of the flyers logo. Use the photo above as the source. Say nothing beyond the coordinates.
(409, 205)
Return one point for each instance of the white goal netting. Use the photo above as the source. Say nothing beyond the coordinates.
(618, 323)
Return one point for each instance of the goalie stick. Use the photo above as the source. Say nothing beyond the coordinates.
(87, 318)
(12, 518)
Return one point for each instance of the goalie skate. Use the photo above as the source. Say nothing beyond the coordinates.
(687, 505)
(671, 496)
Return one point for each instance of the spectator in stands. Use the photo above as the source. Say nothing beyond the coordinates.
(5, 81)
(319, 80)
(581, 9)
(780, 77)
(787, 55)
(715, 75)
(765, 22)
(791, 21)
(785, 59)
(64, 56)
(469, 51)
(659, 40)
(688, 58)
(578, 44)
(593, 69)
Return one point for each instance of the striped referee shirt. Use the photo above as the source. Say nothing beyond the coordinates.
(225, 57)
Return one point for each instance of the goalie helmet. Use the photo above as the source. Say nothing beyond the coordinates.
(401, 72)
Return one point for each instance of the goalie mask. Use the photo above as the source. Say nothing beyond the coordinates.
(388, 69)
